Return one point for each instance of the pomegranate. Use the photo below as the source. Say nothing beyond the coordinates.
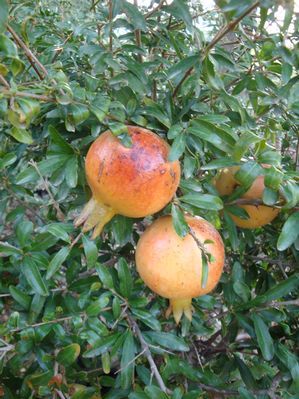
(134, 182)
(259, 215)
(171, 266)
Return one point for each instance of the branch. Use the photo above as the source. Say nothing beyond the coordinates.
(247, 201)
(25, 94)
(227, 28)
(147, 352)
(3, 81)
(154, 10)
(31, 57)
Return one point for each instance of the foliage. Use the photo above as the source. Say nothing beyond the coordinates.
(221, 87)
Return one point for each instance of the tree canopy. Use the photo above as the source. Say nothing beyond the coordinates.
(220, 85)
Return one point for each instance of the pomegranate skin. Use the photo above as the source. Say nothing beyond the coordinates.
(171, 266)
(136, 181)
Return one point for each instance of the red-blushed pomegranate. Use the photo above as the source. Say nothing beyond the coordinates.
(134, 182)
(258, 215)
(171, 266)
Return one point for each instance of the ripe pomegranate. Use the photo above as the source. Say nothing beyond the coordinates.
(171, 266)
(259, 215)
(134, 182)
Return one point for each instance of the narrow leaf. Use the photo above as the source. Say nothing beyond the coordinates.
(264, 338)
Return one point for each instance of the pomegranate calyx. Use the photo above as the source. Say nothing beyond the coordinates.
(94, 215)
(179, 307)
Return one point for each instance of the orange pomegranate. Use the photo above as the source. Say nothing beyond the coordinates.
(171, 266)
(259, 215)
(134, 182)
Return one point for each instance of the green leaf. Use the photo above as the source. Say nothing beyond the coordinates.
(134, 15)
(21, 135)
(68, 355)
(179, 9)
(122, 228)
(154, 392)
(290, 360)
(273, 178)
(232, 231)
(125, 278)
(270, 196)
(101, 345)
(90, 251)
(3, 15)
(203, 201)
(248, 172)
(24, 231)
(7, 45)
(243, 144)
(71, 172)
(222, 139)
(147, 318)
(219, 163)
(100, 107)
(264, 338)
(8, 249)
(19, 296)
(269, 157)
(127, 363)
(167, 340)
(7, 160)
(78, 113)
(17, 66)
(33, 277)
(245, 373)
(60, 142)
(58, 231)
(205, 270)
(289, 233)
(179, 69)
(177, 147)
(277, 291)
(179, 223)
(105, 275)
(57, 261)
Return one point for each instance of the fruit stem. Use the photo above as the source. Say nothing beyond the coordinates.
(179, 307)
(94, 215)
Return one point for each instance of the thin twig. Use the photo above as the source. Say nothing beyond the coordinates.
(4, 81)
(148, 354)
(29, 54)
(60, 214)
(227, 28)
(130, 362)
(76, 239)
(60, 394)
(59, 50)
(154, 10)
(40, 97)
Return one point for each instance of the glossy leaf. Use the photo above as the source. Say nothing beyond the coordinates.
(57, 261)
(33, 277)
(289, 233)
(264, 338)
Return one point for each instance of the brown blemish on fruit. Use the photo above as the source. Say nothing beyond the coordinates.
(135, 181)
